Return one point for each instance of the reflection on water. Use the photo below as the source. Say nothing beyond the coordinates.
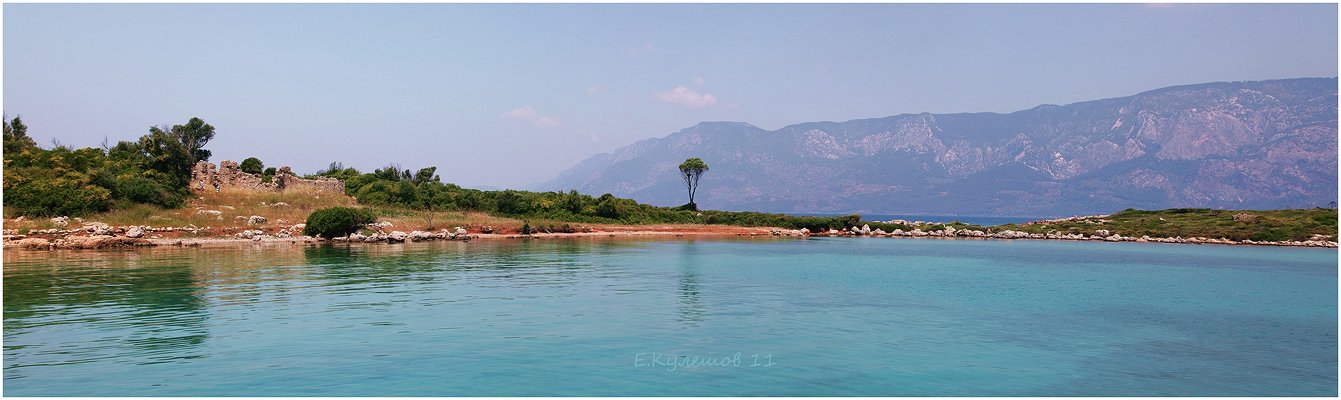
(89, 308)
(567, 317)
(691, 309)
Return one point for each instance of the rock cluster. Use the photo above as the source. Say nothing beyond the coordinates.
(413, 236)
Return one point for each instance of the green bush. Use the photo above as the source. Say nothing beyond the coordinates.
(1272, 235)
(56, 198)
(144, 190)
(337, 221)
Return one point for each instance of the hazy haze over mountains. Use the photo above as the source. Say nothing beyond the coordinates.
(1263, 144)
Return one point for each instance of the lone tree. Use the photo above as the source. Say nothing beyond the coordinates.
(252, 165)
(691, 170)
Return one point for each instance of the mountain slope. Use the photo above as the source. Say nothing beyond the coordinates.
(1264, 144)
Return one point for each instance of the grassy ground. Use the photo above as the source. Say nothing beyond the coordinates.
(406, 220)
(1260, 225)
(279, 208)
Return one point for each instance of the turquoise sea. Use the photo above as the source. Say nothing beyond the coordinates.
(797, 317)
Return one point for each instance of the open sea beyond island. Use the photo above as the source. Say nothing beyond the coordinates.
(763, 316)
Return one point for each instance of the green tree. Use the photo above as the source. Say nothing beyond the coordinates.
(608, 206)
(691, 170)
(511, 202)
(16, 136)
(425, 175)
(173, 151)
(252, 165)
(337, 170)
(430, 198)
(194, 135)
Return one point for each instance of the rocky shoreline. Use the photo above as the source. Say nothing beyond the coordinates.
(95, 235)
(1099, 235)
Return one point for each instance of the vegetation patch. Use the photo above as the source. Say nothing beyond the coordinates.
(337, 221)
(1258, 225)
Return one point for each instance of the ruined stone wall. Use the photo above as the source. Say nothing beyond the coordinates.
(229, 175)
(286, 179)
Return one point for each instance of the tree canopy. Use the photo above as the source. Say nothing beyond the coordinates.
(252, 165)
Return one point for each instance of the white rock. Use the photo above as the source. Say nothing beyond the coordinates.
(397, 236)
(98, 228)
(135, 232)
(256, 219)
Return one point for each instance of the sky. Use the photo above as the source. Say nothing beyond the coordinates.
(510, 95)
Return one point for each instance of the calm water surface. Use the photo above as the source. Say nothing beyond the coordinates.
(824, 316)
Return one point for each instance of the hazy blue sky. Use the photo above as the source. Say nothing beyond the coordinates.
(506, 95)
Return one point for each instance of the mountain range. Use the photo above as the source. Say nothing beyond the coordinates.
(1240, 145)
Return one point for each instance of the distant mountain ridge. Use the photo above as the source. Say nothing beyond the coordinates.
(1258, 144)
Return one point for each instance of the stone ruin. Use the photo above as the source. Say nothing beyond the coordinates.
(229, 175)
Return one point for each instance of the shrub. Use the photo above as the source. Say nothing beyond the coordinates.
(337, 221)
(1272, 235)
(144, 190)
(268, 175)
(55, 198)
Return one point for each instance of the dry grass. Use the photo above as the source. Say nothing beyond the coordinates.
(236, 206)
(418, 220)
